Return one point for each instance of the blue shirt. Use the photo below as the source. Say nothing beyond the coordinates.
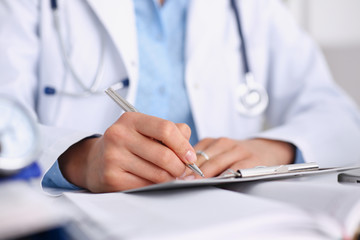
(161, 37)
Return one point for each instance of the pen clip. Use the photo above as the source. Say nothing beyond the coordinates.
(228, 173)
(271, 170)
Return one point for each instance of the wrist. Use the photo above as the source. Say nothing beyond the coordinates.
(73, 161)
(274, 151)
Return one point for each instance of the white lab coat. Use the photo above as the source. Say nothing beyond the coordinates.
(306, 107)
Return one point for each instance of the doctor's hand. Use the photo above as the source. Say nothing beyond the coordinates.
(136, 151)
(225, 153)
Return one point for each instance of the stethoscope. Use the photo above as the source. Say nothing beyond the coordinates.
(251, 97)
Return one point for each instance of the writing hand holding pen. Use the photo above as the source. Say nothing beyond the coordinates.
(136, 151)
(127, 107)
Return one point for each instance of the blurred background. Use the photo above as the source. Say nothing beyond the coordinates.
(335, 25)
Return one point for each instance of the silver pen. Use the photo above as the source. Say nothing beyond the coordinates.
(127, 107)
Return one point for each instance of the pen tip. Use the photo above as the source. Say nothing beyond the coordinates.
(195, 169)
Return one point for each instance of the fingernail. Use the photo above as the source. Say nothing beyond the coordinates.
(190, 157)
(190, 177)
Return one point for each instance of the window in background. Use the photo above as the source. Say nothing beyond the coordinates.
(335, 25)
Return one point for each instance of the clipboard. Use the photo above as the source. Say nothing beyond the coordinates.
(248, 175)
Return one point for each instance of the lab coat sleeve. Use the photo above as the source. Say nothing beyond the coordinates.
(55, 141)
(306, 107)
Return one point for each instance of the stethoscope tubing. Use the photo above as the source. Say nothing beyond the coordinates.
(94, 87)
(252, 98)
(243, 51)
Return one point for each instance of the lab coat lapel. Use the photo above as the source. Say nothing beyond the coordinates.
(204, 17)
(206, 24)
(119, 20)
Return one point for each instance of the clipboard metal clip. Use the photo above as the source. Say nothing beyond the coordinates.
(272, 170)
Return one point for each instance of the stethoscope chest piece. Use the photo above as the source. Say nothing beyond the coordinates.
(251, 97)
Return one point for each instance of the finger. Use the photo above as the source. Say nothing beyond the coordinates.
(203, 143)
(202, 157)
(214, 147)
(188, 172)
(158, 154)
(219, 146)
(133, 181)
(223, 161)
(146, 170)
(246, 163)
(167, 133)
(184, 129)
(114, 181)
(200, 146)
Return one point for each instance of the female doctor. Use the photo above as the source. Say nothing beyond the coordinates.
(188, 62)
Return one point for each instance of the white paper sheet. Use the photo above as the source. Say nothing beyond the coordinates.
(199, 213)
(327, 201)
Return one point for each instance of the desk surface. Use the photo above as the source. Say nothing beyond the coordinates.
(196, 213)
